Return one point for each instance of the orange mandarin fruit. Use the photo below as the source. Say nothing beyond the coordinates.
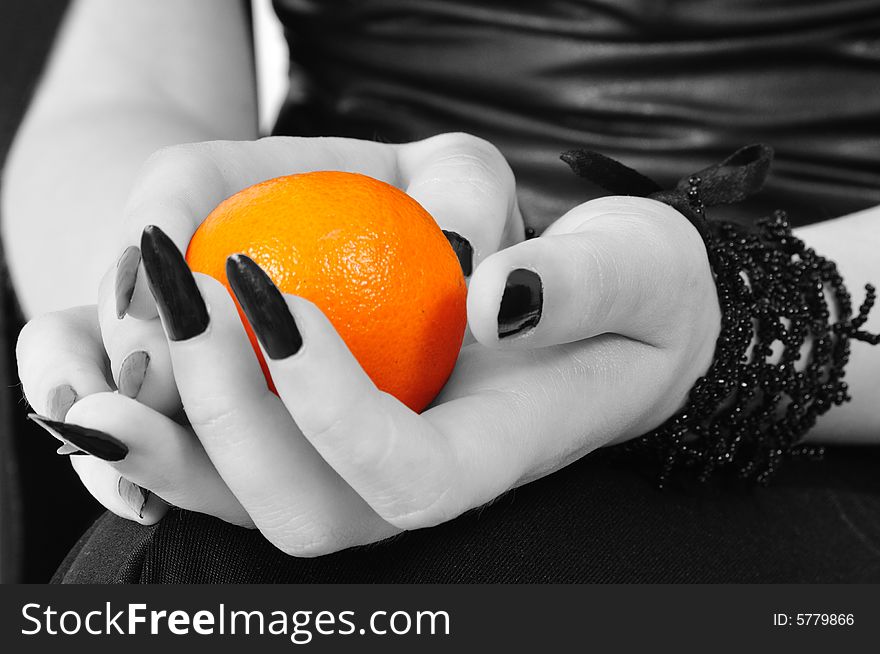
(367, 254)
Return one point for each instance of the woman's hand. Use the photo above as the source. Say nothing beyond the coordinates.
(463, 181)
(626, 323)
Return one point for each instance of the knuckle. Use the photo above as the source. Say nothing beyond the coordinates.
(173, 156)
(364, 435)
(27, 336)
(215, 414)
(479, 200)
(23, 347)
(417, 510)
(476, 154)
(680, 250)
(182, 162)
(607, 280)
(494, 163)
(311, 547)
(298, 536)
(466, 141)
(410, 492)
(671, 251)
(37, 330)
(456, 140)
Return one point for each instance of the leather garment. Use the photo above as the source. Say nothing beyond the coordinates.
(665, 86)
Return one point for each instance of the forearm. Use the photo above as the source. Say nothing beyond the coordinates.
(853, 242)
(64, 192)
(126, 78)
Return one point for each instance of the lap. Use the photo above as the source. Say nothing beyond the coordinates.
(595, 521)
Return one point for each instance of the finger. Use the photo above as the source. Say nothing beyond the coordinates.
(160, 455)
(479, 440)
(179, 186)
(292, 495)
(101, 479)
(409, 472)
(116, 494)
(467, 186)
(61, 359)
(614, 265)
(138, 352)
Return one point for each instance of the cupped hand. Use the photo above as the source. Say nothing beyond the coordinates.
(63, 357)
(598, 342)
(463, 182)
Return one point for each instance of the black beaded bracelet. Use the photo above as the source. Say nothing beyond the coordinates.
(746, 415)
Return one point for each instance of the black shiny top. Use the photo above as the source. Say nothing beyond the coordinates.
(665, 86)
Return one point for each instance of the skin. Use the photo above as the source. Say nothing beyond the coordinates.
(629, 321)
(125, 79)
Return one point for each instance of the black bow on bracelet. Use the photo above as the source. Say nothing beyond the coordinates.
(739, 176)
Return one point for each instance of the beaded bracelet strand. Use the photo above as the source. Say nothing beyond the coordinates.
(747, 415)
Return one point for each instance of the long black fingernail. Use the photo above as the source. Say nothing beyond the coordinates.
(132, 372)
(126, 276)
(521, 303)
(60, 399)
(183, 310)
(463, 250)
(264, 307)
(90, 441)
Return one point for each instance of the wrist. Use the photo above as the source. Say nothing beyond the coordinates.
(747, 413)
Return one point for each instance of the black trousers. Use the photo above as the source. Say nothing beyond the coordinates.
(600, 520)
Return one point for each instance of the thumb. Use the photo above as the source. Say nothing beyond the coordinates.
(618, 264)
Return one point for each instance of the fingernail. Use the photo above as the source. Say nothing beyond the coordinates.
(133, 495)
(180, 304)
(521, 303)
(463, 250)
(67, 449)
(264, 307)
(61, 398)
(132, 373)
(126, 276)
(90, 441)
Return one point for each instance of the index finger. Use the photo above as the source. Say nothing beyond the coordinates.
(465, 183)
